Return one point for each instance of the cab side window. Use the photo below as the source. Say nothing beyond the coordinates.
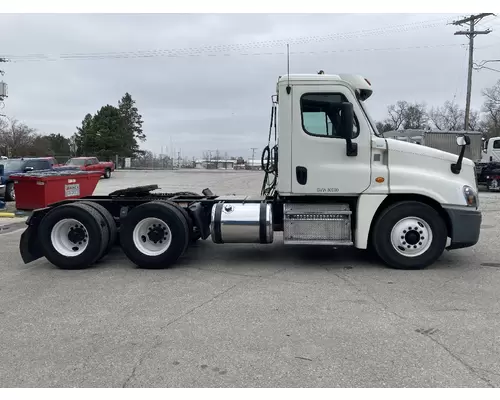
(321, 114)
(496, 144)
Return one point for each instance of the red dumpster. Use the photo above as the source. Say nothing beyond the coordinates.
(38, 189)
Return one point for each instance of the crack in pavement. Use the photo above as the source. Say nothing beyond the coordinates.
(158, 341)
(470, 368)
(384, 306)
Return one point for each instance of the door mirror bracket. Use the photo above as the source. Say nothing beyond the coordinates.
(346, 128)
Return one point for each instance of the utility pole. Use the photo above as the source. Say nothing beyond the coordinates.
(471, 34)
(3, 86)
(253, 155)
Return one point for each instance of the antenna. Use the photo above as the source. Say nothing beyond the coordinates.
(288, 88)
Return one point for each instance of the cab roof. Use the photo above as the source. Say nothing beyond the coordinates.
(360, 84)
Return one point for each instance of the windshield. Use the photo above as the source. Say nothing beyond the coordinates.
(76, 161)
(372, 123)
(12, 165)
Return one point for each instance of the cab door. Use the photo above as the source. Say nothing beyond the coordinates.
(320, 164)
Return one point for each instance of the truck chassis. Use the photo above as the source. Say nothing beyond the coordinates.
(155, 229)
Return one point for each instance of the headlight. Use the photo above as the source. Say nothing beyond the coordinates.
(470, 196)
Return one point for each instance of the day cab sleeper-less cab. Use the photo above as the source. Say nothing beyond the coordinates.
(331, 179)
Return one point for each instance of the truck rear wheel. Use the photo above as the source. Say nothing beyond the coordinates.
(409, 235)
(154, 235)
(73, 236)
(112, 228)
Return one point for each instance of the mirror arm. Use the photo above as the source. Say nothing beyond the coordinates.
(457, 167)
(351, 149)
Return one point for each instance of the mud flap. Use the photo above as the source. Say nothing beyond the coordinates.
(28, 246)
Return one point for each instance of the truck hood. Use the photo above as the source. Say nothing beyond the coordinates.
(423, 151)
(414, 168)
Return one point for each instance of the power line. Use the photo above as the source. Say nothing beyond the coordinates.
(230, 47)
(260, 54)
(471, 33)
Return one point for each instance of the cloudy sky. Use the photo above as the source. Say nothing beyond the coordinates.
(204, 81)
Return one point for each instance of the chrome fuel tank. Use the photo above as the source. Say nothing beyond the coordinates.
(242, 223)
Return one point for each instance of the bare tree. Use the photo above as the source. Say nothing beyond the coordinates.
(450, 117)
(397, 114)
(447, 118)
(491, 108)
(406, 115)
(17, 137)
(474, 120)
(415, 117)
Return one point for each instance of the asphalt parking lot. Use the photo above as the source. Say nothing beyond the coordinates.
(251, 316)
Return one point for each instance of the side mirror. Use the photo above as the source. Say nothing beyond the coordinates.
(346, 128)
(463, 140)
(1, 169)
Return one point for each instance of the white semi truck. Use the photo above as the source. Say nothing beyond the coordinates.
(330, 179)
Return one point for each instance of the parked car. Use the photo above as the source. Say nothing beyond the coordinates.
(93, 164)
(20, 165)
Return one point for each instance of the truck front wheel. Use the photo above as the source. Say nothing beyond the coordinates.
(409, 235)
(107, 173)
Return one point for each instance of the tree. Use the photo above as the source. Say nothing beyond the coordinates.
(58, 144)
(451, 117)
(17, 137)
(384, 126)
(491, 108)
(84, 138)
(447, 118)
(407, 115)
(108, 133)
(132, 122)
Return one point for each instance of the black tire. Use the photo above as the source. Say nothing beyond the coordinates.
(107, 173)
(172, 217)
(491, 187)
(112, 228)
(10, 194)
(381, 235)
(94, 223)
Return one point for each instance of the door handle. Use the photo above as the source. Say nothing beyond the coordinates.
(301, 173)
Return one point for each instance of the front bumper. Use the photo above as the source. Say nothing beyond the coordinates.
(465, 226)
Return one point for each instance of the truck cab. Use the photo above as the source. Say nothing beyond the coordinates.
(330, 152)
(491, 150)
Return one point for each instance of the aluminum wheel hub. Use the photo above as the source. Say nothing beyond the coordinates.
(411, 236)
